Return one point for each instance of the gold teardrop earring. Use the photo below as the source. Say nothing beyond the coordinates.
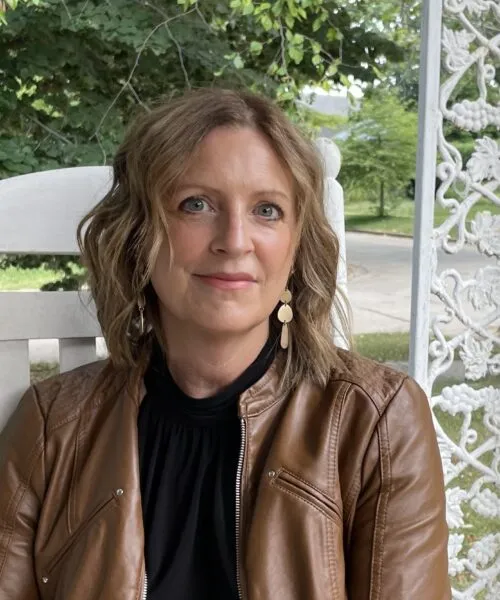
(285, 316)
(140, 305)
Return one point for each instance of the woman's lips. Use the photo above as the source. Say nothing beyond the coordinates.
(227, 281)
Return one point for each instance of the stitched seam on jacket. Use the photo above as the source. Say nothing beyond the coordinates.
(332, 468)
(346, 508)
(71, 513)
(265, 408)
(310, 485)
(353, 491)
(80, 383)
(33, 457)
(350, 505)
(360, 385)
(329, 542)
(279, 398)
(22, 488)
(381, 513)
(72, 539)
(302, 499)
(342, 395)
(356, 485)
(64, 421)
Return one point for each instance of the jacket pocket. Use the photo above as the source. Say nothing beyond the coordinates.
(73, 539)
(304, 491)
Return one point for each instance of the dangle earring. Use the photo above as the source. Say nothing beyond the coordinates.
(140, 306)
(285, 316)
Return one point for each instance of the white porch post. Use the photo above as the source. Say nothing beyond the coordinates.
(430, 61)
(460, 367)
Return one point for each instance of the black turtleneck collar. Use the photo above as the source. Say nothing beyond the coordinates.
(161, 385)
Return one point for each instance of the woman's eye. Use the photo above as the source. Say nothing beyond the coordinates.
(194, 204)
(270, 212)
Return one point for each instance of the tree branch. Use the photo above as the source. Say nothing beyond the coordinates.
(53, 132)
(67, 10)
(177, 45)
(134, 68)
(181, 58)
(283, 45)
(136, 96)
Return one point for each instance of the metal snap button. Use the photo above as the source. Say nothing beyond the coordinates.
(119, 492)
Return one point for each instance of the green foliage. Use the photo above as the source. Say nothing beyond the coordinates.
(379, 153)
(404, 18)
(73, 73)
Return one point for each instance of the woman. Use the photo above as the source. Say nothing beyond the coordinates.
(226, 449)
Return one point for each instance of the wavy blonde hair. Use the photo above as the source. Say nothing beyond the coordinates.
(120, 237)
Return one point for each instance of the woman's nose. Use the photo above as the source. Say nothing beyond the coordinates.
(233, 235)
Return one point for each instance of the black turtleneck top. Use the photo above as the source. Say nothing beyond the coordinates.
(188, 451)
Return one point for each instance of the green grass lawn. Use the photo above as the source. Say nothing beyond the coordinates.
(13, 279)
(360, 216)
(384, 347)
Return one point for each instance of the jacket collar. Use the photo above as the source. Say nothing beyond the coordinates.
(263, 394)
(259, 397)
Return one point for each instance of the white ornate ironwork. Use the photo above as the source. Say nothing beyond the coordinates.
(463, 362)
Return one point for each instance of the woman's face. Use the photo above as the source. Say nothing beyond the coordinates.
(233, 232)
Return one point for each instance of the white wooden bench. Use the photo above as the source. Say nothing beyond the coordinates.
(39, 214)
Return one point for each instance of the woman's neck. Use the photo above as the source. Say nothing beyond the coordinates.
(202, 364)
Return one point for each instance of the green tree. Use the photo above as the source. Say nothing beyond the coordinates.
(379, 154)
(402, 19)
(74, 72)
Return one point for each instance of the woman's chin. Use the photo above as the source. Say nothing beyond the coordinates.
(226, 322)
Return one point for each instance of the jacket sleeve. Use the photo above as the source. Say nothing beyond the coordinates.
(21, 492)
(398, 538)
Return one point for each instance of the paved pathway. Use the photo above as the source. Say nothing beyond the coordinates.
(379, 284)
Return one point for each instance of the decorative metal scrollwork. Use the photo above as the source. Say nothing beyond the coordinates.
(465, 336)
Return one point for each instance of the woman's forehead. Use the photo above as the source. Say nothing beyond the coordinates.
(238, 157)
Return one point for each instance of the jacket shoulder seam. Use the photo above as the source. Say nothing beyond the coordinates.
(383, 400)
(73, 412)
(356, 384)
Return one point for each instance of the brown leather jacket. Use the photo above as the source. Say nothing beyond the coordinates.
(340, 492)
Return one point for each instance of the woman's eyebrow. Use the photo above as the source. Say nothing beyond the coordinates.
(273, 192)
(203, 186)
(194, 184)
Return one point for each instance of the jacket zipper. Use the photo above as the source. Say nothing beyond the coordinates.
(144, 595)
(238, 507)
